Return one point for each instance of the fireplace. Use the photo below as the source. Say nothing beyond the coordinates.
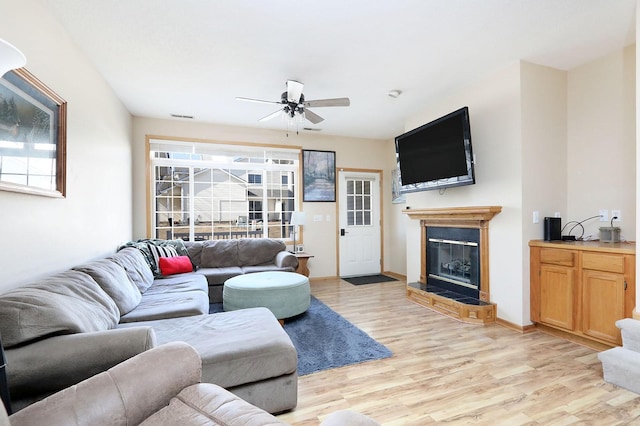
(453, 260)
(454, 270)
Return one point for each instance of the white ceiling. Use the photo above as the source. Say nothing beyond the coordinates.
(193, 57)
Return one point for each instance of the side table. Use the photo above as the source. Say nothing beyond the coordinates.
(302, 268)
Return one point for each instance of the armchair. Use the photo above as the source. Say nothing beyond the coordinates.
(157, 387)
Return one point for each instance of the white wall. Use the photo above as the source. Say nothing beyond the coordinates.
(544, 157)
(601, 141)
(318, 238)
(494, 113)
(44, 234)
(544, 140)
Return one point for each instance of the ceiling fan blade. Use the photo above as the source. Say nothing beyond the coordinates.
(257, 101)
(272, 115)
(312, 116)
(327, 102)
(294, 90)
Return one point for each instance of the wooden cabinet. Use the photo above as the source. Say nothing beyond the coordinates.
(557, 296)
(582, 288)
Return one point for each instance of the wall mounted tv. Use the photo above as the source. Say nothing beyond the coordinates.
(437, 155)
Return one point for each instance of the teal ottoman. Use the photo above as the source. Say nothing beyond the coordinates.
(286, 294)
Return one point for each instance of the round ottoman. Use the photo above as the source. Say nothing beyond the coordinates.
(286, 294)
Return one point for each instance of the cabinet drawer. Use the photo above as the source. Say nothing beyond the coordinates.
(603, 262)
(557, 257)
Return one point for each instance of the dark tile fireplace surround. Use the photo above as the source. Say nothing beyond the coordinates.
(454, 276)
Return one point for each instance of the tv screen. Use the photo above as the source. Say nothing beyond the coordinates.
(437, 154)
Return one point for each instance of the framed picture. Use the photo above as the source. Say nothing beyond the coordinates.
(396, 196)
(318, 175)
(33, 133)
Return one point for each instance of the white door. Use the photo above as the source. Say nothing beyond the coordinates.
(359, 221)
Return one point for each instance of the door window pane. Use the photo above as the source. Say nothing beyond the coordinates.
(358, 202)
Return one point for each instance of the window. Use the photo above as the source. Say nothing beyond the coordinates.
(204, 191)
(255, 178)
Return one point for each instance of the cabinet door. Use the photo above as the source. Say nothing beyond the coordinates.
(557, 290)
(602, 304)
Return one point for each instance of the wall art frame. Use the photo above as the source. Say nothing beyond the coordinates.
(33, 136)
(318, 175)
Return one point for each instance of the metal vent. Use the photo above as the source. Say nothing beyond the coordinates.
(190, 117)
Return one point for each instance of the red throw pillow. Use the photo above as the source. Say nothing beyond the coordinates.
(175, 265)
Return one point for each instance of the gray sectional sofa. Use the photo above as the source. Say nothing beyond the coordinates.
(219, 260)
(69, 326)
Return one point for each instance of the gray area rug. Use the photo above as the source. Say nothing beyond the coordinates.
(325, 340)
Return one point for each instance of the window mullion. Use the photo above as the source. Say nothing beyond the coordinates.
(265, 204)
(192, 203)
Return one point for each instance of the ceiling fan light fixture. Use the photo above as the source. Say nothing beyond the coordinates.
(394, 93)
(293, 105)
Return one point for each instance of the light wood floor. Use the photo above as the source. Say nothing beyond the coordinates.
(443, 371)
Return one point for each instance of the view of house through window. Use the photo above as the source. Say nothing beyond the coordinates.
(204, 191)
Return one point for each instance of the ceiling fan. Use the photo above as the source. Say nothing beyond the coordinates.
(294, 106)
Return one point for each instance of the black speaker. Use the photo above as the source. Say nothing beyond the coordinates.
(552, 230)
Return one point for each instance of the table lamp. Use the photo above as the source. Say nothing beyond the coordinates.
(297, 219)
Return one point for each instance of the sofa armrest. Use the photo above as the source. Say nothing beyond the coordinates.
(125, 394)
(48, 365)
(286, 259)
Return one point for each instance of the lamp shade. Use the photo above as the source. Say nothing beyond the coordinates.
(298, 218)
(10, 57)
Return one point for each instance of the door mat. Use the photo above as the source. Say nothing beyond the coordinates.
(369, 279)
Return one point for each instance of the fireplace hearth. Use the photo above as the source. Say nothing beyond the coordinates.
(454, 275)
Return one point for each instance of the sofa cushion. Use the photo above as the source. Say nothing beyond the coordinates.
(265, 268)
(156, 306)
(64, 303)
(114, 281)
(258, 251)
(236, 347)
(209, 404)
(132, 261)
(217, 276)
(194, 248)
(179, 283)
(219, 254)
(175, 265)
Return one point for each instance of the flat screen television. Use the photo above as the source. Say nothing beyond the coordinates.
(437, 155)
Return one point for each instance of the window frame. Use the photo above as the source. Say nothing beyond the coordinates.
(249, 165)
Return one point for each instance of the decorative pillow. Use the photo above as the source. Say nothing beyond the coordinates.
(161, 251)
(144, 246)
(175, 265)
